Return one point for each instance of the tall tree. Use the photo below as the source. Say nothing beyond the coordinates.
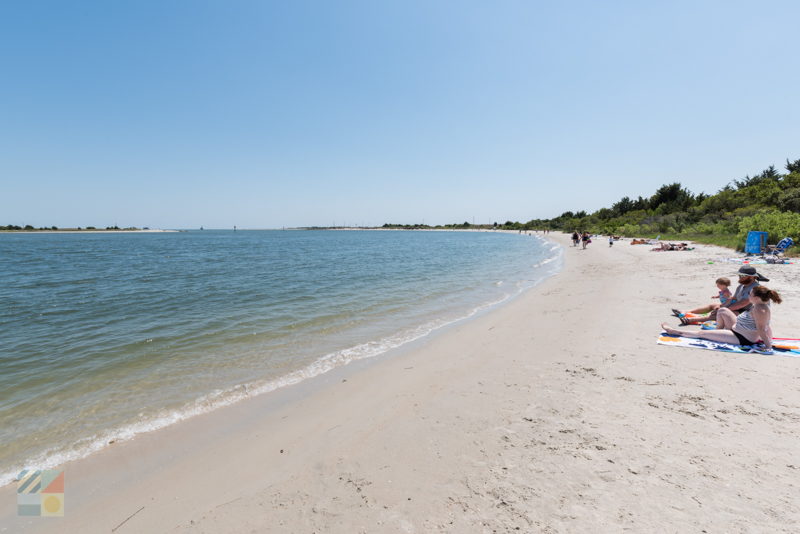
(672, 197)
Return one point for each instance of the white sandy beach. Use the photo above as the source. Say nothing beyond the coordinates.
(556, 412)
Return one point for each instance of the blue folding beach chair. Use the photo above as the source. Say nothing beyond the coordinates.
(780, 248)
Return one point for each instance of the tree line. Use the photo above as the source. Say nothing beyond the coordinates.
(768, 201)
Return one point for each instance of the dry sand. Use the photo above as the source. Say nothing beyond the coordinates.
(554, 413)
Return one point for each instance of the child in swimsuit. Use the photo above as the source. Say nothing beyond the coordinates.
(723, 284)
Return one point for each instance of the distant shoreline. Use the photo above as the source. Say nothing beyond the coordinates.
(76, 231)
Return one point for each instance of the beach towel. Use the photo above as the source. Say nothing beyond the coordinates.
(756, 261)
(782, 346)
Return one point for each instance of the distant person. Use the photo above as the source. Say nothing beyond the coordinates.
(585, 239)
(611, 241)
(575, 238)
(751, 328)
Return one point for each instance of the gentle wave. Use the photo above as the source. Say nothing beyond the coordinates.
(218, 399)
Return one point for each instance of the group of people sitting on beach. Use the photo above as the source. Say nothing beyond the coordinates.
(741, 318)
(671, 246)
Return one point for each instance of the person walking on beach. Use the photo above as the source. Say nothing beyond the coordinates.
(750, 329)
(586, 239)
(740, 302)
(611, 241)
(575, 238)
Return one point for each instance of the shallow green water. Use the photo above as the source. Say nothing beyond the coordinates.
(103, 336)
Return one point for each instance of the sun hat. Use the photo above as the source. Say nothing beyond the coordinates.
(747, 270)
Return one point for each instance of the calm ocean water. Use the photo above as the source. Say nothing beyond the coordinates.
(103, 336)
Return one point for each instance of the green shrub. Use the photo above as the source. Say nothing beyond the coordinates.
(778, 224)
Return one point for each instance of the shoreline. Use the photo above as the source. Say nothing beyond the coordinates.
(244, 392)
(556, 411)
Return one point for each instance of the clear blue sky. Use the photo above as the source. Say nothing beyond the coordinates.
(177, 114)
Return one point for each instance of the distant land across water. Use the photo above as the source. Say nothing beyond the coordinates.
(388, 226)
(29, 228)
